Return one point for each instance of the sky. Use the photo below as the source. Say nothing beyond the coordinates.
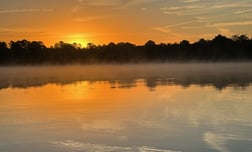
(135, 21)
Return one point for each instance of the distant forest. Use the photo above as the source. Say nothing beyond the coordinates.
(220, 48)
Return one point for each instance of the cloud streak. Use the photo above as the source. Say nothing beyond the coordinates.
(183, 10)
(24, 10)
(91, 18)
(22, 30)
(194, 7)
(118, 3)
(231, 5)
(202, 15)
(228, 24)
(102, 2)
(189, 1)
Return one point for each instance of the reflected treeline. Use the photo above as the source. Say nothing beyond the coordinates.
(218, 49)
(219, 75)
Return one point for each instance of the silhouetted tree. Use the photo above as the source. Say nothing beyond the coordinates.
(91, 46)
(239, 47)
(150, 43)
(4, 52)
(240, 38)
(184, 43)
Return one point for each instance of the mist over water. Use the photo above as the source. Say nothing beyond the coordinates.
(219, 75)
(190, 107)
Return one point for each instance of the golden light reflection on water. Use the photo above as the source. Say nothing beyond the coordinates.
(102, 113)
(80, 94)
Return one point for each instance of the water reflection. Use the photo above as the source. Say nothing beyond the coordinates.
(219, 75)
(87, 147)
(105, 113)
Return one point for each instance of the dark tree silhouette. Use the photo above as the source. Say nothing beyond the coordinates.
(4, 53)
(150, 43)
(220, 48)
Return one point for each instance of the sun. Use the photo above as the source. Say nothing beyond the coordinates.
(77, 38)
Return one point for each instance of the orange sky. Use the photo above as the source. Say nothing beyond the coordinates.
(136, 21)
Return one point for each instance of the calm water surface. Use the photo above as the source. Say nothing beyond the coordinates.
(126, 108)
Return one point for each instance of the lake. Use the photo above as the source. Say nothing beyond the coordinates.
(205, 107)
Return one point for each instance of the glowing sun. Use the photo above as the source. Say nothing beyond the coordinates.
(77, 38)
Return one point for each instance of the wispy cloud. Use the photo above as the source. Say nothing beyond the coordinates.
(22, 30)
(243, 11)
(172, 28)
(182, 7)
(228, 24)
(74, 145)
(91, 18)
(207, 16)
(143, 9)
(181, 13)
(221, 27)
(176, 25)
(224, 31)
(36, 33)
(194, 7)
(168, 31)
(231, 5)
(189, 1)
(136, 2)
(224, 27)
(102, 2)
(183, 10)
(118, 3)
(24, 10)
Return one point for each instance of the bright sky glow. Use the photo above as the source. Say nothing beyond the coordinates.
(136, 21)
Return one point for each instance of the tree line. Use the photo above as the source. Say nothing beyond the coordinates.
(220, 48)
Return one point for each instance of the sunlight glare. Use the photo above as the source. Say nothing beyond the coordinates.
(77, 38)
